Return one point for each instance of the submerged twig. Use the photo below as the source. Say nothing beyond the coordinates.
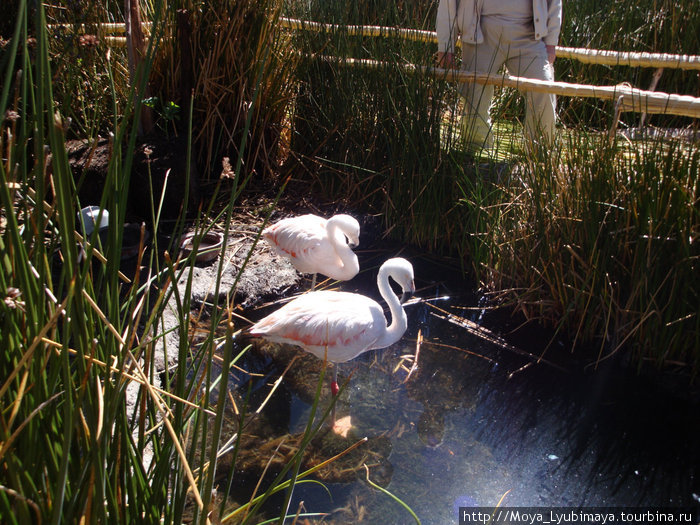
(489, 336)
(414, 366)
(460, 349)
(277, 383)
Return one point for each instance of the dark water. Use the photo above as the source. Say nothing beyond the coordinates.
(478, 419)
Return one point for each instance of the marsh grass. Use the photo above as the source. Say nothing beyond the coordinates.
(373, 135)
(83, 84)
(90, 431)
(230, 60)
(600, 238)
(657, 26)
(593, 237)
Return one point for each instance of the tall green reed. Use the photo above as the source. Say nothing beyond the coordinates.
(71, 331)
(90, 429)
(373, 134)
(656, 26)
(600, 239)
(74, 327)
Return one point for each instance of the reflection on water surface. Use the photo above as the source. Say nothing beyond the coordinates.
(463, 429)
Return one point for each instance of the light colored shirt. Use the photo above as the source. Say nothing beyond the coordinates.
(508, 10)
(461, 19)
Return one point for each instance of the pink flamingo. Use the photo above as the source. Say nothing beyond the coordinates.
(316, 245)
(339, 326)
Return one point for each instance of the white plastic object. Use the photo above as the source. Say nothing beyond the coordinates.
(90, 215)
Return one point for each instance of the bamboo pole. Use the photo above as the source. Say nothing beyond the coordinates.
(418, 35)
(586, 56)
(633, 99)
(629, 58)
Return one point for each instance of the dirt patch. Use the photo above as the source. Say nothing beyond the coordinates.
(159, 168)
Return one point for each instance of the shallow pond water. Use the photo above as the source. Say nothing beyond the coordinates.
(478, 419)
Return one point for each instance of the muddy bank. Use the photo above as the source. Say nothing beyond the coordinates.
(264, 277)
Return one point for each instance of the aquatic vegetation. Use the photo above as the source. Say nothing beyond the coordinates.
(598, 237)
(572, 236)
(601, 240)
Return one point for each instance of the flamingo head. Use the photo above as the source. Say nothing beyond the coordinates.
(401, 271)
(350, 228)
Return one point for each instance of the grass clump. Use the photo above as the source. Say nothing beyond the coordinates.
(601, 239)
(90, 430)
(84, 82)
(373, 134)
(597, 238)
(230, 62)
(78, 335)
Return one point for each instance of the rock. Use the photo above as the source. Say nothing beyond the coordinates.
(264, 276)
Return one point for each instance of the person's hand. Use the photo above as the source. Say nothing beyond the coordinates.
(551, 53)
(446, 60)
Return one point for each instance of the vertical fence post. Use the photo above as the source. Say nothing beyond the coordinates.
(616, 118)
(652, 87)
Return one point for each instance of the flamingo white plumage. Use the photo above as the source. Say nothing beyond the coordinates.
(316, 245)
(342, 325)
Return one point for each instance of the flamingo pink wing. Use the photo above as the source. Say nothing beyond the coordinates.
(346, 324)
(296, 238)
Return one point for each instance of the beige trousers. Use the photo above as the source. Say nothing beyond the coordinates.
(515, 46)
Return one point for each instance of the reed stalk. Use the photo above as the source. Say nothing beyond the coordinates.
(655, 26)
(90, 430)
(571, 236)
(219, 57)
(598, 239)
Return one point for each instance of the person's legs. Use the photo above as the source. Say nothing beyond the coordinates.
(528, 58)
(476, 122)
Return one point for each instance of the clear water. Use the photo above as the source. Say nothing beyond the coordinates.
(478, 420)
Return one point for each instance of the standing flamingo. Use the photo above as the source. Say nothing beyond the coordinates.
(341, 325)
(316, 245)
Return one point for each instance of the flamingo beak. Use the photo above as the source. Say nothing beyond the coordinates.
(405, 296)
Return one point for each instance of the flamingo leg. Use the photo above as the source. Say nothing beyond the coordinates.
(334, 391)
(313, 282)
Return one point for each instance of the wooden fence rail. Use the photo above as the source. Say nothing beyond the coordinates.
(626, 97)
(629, 98)
(586, 56)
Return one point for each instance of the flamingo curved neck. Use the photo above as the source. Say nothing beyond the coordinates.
(347, 257)
(399, 322)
